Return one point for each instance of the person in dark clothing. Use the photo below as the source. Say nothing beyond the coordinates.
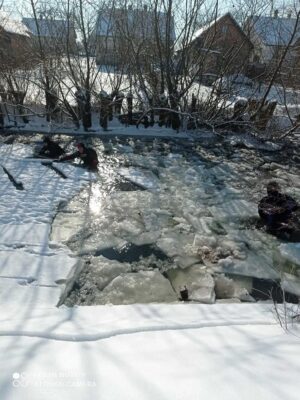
(277, 210)
(51, 149)
(86, 154)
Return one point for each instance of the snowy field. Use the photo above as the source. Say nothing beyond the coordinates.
(138, 351)
(227, 352)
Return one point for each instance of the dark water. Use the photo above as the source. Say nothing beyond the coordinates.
(264, 289)
(132, 253)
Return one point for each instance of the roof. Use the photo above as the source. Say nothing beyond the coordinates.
(274, 30)
(140, 22)
(47, 27)
(206, 27)
(13, 26)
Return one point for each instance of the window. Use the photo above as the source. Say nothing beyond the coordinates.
(224, 29)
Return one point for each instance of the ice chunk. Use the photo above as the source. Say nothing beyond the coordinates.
(175, 245)
(203, 295)
(224, 287)
(256, 266)
(66, 225)
(140, 287)
(291, 284)
(123, 148)
(128, 228)
(102, 271)
(238, 287)
(290, 254)
(90, 243)
(89, 279)
(143, 178)
(146, 238)
(186, 261)
(234, 209)
(200, 284)
(202, 240)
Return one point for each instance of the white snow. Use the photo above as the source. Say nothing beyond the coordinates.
(21, 234)
(12, 25)
(228, 351)
(33, 266)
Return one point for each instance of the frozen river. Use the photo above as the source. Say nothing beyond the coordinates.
(165, 215)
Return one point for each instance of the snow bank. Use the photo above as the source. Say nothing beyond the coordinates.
(148, 351)
(34, 266)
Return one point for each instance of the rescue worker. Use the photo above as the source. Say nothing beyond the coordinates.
(86, 154)
(51, 149)
(277, 210)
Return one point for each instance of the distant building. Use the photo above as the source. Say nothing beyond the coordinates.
(54, 35)
(15, 42)
(125, 33)
(271, 36)
(221, 47)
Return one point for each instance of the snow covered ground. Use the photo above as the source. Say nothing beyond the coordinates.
(148, 352)
(154, 351)
(31, 265)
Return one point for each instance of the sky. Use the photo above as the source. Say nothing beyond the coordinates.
(234, 6)
(10, 5)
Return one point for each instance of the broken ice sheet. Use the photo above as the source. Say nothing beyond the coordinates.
(140, 177)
